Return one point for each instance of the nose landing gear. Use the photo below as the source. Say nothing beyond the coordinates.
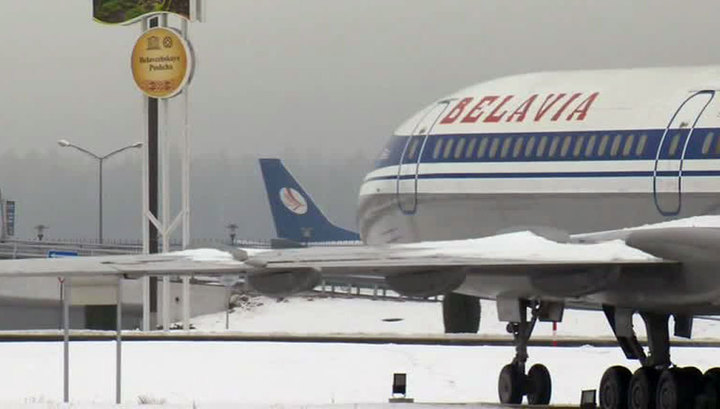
(513, 382)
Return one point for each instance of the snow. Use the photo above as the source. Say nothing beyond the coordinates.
(219, 374)
(531, 247)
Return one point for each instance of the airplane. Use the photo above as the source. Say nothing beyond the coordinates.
(539, 191)
(296, 216)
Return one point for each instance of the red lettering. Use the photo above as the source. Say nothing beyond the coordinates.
(545, 107)
(522, 110)
(477, 110)
(456, 111)
(573, 97)
(494, 117)
(583, 108)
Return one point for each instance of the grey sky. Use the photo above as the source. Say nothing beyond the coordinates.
(305, 79)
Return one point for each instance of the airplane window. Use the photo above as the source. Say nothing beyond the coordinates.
(518, 146)
(448, 148)
(717, 146)
(578, 146)
(603, 145)
(553, 146)
(412, 149)
(438, 147)
(628, 145)
(674, 143)
(640, 148)
(471, 147)
(483, 147)
(541, 146)
(708, 141)
(529, 147)
(459, 147)
(565, 146)
(590, 146)
(505, 147)
(494, 147)
(615, 149)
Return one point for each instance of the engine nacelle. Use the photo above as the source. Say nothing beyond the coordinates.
(284, 283)
(426, 283)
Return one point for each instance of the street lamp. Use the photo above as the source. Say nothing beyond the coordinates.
(64, 143)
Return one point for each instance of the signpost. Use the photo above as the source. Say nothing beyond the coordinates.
(161, 62)
(162, 65)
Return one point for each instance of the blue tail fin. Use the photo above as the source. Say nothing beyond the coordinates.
(295, 215)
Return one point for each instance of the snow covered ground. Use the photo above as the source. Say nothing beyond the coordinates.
(221, 374)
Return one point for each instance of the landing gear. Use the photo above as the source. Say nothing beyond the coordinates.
(643, 385)
(614, 388)
(513, 383)
(657, 384)
(539, 385)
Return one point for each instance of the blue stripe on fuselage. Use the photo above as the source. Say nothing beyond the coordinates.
(578, 142)
(541, 175)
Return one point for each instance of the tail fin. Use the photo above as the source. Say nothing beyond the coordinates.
(295, 215)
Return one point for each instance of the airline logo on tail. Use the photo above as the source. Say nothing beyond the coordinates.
(293, 200)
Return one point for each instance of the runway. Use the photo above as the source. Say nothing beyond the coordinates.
(404, 339)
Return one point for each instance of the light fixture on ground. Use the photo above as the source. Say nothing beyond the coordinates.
(100, 159)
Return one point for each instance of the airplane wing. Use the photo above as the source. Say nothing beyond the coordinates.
(419, 269)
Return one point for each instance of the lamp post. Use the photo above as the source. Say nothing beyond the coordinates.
(64, 143)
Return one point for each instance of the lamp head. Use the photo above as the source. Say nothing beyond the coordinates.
(137, 145)
(63, 143)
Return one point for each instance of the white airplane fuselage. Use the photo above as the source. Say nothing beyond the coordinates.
(564, 152)
(575, 151)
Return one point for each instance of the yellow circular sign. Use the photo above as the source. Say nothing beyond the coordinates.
(161, 62)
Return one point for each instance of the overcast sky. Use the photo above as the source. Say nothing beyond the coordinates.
(316, 81)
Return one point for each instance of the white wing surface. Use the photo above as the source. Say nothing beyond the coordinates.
(419, 269)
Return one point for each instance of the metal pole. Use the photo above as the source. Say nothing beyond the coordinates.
(152, 190)
(165, 186)
(118, 359)
(228, 293)
(186, 191)
(145, 202)
(66, 339)
(100, 200)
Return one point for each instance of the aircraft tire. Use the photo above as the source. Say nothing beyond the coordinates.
(539, 385)
(461, 314)
(511, 385)
(643, 388)
(614, 388)
(710, 396)
(676, 389)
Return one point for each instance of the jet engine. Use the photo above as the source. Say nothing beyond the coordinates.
(284, 283)
(427, 283)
